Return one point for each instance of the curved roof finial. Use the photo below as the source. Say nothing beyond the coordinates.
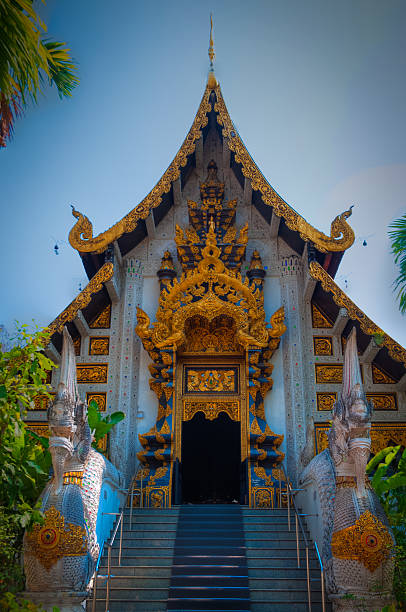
(211, 81)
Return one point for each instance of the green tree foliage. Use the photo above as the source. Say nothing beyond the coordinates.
(100, 426)
(28, 59)
(389, 482)
(397, 236)
(24, 466)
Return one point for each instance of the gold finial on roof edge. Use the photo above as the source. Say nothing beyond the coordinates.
(395, 350)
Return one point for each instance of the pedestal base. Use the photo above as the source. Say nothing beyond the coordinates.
(66, 601)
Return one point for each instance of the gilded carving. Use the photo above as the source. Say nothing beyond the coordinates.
(329, 373)
(54, 539)
(83, 299)
(103, 321)
(263, 498)
(99, 345)
(210, 290)
(217, 336)
(39, 428)
(99, 398)
(325, 401)
(323, 345)
(382, 435)
(77, 342)
(341, 299)
(91, 373)
(209, 380)
(383, 401)
(380, 377)
(41, 401)
(368, 541)
(211, 409)
(319, 319)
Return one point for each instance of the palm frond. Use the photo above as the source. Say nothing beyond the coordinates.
(397, 237)
(27, 60)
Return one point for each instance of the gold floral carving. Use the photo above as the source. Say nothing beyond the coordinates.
(380, 377)
(103, 320)
(211, 409)
(91, 373)
(323, 345)
(77, 342)
(41, 401)
(328, 373)
(83, 299)
(263, 498)
(99, 345)
(211, 380)
(222, 292)
(368, 541)
(319, 319)
(81, 235)
(382, 435)
(55, 539)
(39, 428)
(217, 336)
(341, 235)
(383, 401)
(99, 398)
(341, 299)
(325, 401)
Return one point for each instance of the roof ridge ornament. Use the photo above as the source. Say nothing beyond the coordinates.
(211, 79)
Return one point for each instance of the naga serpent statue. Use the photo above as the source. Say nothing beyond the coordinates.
(60, 555)
(357, 542)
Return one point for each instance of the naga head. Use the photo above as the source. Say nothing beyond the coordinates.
(349, 436)
(62, 413)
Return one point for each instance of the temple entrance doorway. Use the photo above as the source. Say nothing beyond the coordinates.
(211, 460)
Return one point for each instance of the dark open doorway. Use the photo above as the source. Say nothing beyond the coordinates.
(211, 460)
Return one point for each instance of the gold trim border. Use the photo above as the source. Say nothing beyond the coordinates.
(396, 351)
(341, 234)
(83, 299)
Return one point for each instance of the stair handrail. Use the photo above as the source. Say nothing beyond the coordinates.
(298, 522)
(109, 545)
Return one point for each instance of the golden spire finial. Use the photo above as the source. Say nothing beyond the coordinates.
(212, 53)
(211, 81)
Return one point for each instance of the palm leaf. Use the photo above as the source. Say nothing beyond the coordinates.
(397, 237)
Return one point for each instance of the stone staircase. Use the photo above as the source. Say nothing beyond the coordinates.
(208, 557)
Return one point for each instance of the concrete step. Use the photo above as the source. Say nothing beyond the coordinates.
(133, 593)
(281, 552)
(272, 595)
(285, 583)
(280, 561)
(284, 606)
(198, 604)
(129, 605)
(145, 561)
(133, 582)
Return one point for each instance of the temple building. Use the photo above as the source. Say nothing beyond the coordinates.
(213, 321)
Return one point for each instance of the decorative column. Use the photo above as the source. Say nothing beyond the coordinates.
(293, 362)
(263, 443)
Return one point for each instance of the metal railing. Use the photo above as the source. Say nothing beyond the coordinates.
(290, 502)
(109, 544)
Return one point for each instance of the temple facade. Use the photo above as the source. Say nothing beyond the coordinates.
(213, 321)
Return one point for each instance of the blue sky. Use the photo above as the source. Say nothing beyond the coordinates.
(316, 89)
